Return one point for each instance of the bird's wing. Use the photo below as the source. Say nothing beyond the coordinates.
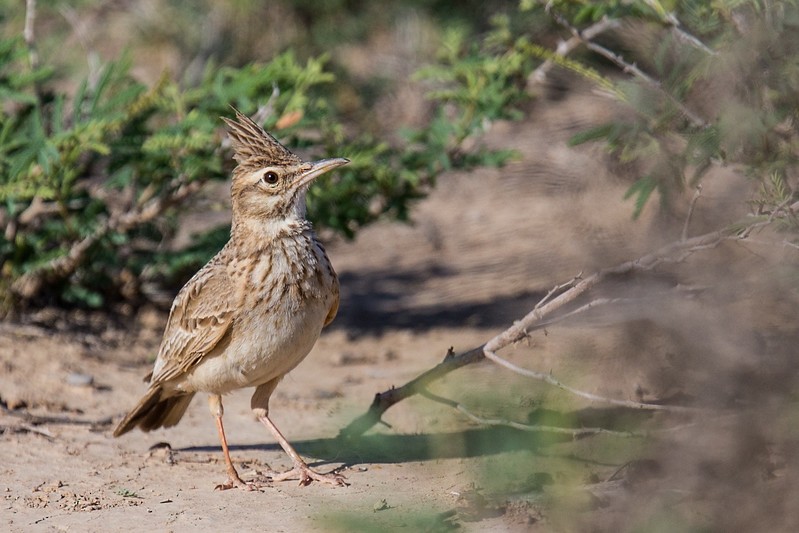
(201, 316)
(331, 313)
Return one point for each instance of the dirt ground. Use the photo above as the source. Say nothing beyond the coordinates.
(717, 331)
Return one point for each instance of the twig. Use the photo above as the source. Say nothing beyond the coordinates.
(82, 31)
(384, 400)
(674, 252)
(697, 194)
(557, 289)
(630, 68)
(564, 48)
(548, 378)
(28, 33)
(35, 420)
(574, 432)
(30, 429)
(31, 283)
(671, 20)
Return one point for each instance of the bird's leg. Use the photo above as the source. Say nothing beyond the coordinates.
(215, 405)
(301, 470)
(260, 406)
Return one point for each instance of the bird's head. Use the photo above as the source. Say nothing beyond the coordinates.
(269, 182)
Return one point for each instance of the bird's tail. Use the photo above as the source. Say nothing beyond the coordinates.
(155, 410)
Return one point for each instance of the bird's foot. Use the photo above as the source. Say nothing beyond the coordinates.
(307, 476)
(234, 482)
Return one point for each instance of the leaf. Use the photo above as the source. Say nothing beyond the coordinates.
(592, 134)
(642, 189)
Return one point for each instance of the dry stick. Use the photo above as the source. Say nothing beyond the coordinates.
(691, 207)
(31, 283)
(672, 20)
(574, 432)
(29, 418)
(28, 32)
(673, 252)
(547, 378)
(384, 400)
(29, 428)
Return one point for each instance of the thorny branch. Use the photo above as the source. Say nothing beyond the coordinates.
(671, 20)
(31, 283)
(671, 253)
(564, 48)
(629, 68)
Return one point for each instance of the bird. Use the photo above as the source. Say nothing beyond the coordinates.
(255, 310)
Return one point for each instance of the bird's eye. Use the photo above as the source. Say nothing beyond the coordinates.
(270, 178)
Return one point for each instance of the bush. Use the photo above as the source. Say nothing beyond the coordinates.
(93, 183)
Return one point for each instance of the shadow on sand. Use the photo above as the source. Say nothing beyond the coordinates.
(379, 448)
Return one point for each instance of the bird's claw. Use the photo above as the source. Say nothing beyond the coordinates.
(237, 482)
(308, 476)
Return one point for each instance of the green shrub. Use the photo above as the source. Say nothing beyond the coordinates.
(92, 183)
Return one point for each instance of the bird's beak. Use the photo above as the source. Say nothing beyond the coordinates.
(318, 168)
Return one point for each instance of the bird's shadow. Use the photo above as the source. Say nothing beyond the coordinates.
(383, 448)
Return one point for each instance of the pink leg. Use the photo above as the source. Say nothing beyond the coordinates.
(215, 404)
(301, 470)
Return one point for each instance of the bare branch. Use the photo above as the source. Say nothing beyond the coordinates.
(28, 32)
(574, 432)
(31, 283)
(564, 48)
(630, 68)
(548, 378)
(671, 19)
(697, 194)
(384, 400)
(674, 252)
(83, 32)
(30, 419)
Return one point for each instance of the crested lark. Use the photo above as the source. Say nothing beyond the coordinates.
(256, 309)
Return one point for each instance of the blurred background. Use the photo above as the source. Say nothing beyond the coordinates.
(499, 149)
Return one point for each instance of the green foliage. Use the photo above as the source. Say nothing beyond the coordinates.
(93, 180)
(717, 89)
(118, 149)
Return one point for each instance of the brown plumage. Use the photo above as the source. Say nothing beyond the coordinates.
(253, 313)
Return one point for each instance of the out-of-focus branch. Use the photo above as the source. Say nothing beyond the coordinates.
(694, 199)
(671, 20)
(630, 68)
(573, 432)
(566, 47)
(538, 318)
(28, 32)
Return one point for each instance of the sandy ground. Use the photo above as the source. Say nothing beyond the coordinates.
(717, 331)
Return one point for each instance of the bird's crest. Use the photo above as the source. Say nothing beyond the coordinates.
(254, 147)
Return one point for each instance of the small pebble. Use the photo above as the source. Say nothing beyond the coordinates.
(76, 379)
